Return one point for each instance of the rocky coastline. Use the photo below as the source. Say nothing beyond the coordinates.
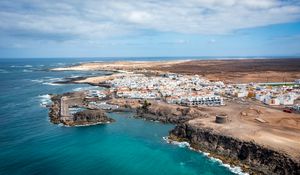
(81, 118)
(253, 158)
(167, 113)
(90, 117)
(250, 156)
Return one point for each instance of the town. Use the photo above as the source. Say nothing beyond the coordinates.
(194, 90)
(209, 111)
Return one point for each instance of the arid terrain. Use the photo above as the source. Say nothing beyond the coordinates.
(242, 71)
(229, 71)
(249, 121)
(263, 138)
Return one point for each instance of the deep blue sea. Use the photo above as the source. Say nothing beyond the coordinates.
(30, 144)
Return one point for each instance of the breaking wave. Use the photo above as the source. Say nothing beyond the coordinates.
(27, 70)
(234, 169)
(48, 81)
(51, 84)
(3, 71)
(22, 66)
(45, 100)
(85, 88)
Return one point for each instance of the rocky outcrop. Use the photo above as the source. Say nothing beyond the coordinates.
(89, 117)
(255, 158)
(167, 113)
(86, 117)
(54, 109)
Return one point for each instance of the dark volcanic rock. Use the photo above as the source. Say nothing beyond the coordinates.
(90, 117)
(86, 117)
(258, 159)
(167, 113)
(54, 109)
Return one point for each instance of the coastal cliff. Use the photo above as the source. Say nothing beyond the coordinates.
(254, 158)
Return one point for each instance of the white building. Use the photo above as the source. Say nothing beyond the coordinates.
(241, 93)
(212, 100)
(273, 101)
(296, 107)
(260, 96)
(287, 100)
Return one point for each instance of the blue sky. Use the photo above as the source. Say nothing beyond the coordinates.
(149, 28)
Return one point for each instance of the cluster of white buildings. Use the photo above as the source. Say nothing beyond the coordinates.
(96, 94)
(270, 95)
(172, 88)
(193, 90)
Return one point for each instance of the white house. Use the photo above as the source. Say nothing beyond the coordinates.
(241, 93)
(260, 97)
(273, 101)
(287, 100)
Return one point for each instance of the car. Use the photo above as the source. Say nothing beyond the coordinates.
(287, 110)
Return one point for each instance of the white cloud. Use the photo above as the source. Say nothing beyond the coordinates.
(99, 19)
(212, 40)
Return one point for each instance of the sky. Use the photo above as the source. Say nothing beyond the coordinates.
(149, 28)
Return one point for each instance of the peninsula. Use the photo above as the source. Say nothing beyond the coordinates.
(245, 112)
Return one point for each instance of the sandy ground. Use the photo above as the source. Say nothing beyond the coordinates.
(99, 79)
(120, 65)
(281, 131)
(229, 71)
(241, 71)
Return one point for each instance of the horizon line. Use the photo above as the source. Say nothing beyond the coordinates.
(107, 57)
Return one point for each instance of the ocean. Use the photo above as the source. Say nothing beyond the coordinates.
(30, 144)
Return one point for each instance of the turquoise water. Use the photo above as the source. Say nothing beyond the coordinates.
(30, 144)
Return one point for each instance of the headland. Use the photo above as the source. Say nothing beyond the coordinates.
(245, 112)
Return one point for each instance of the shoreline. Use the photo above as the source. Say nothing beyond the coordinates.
(248, 155)
(212, 153)
(157, 112)
(233, 168)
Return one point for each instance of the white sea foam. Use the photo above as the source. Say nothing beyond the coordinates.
(85, 88)
(234, 169)
(180, 144)
(48, 81)
(51, 84)
(92, 124)
(74, 76)
(55, 79)
(38, 81)
(3, 71)
(21, 66)
(27, 70)
(45, 100)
